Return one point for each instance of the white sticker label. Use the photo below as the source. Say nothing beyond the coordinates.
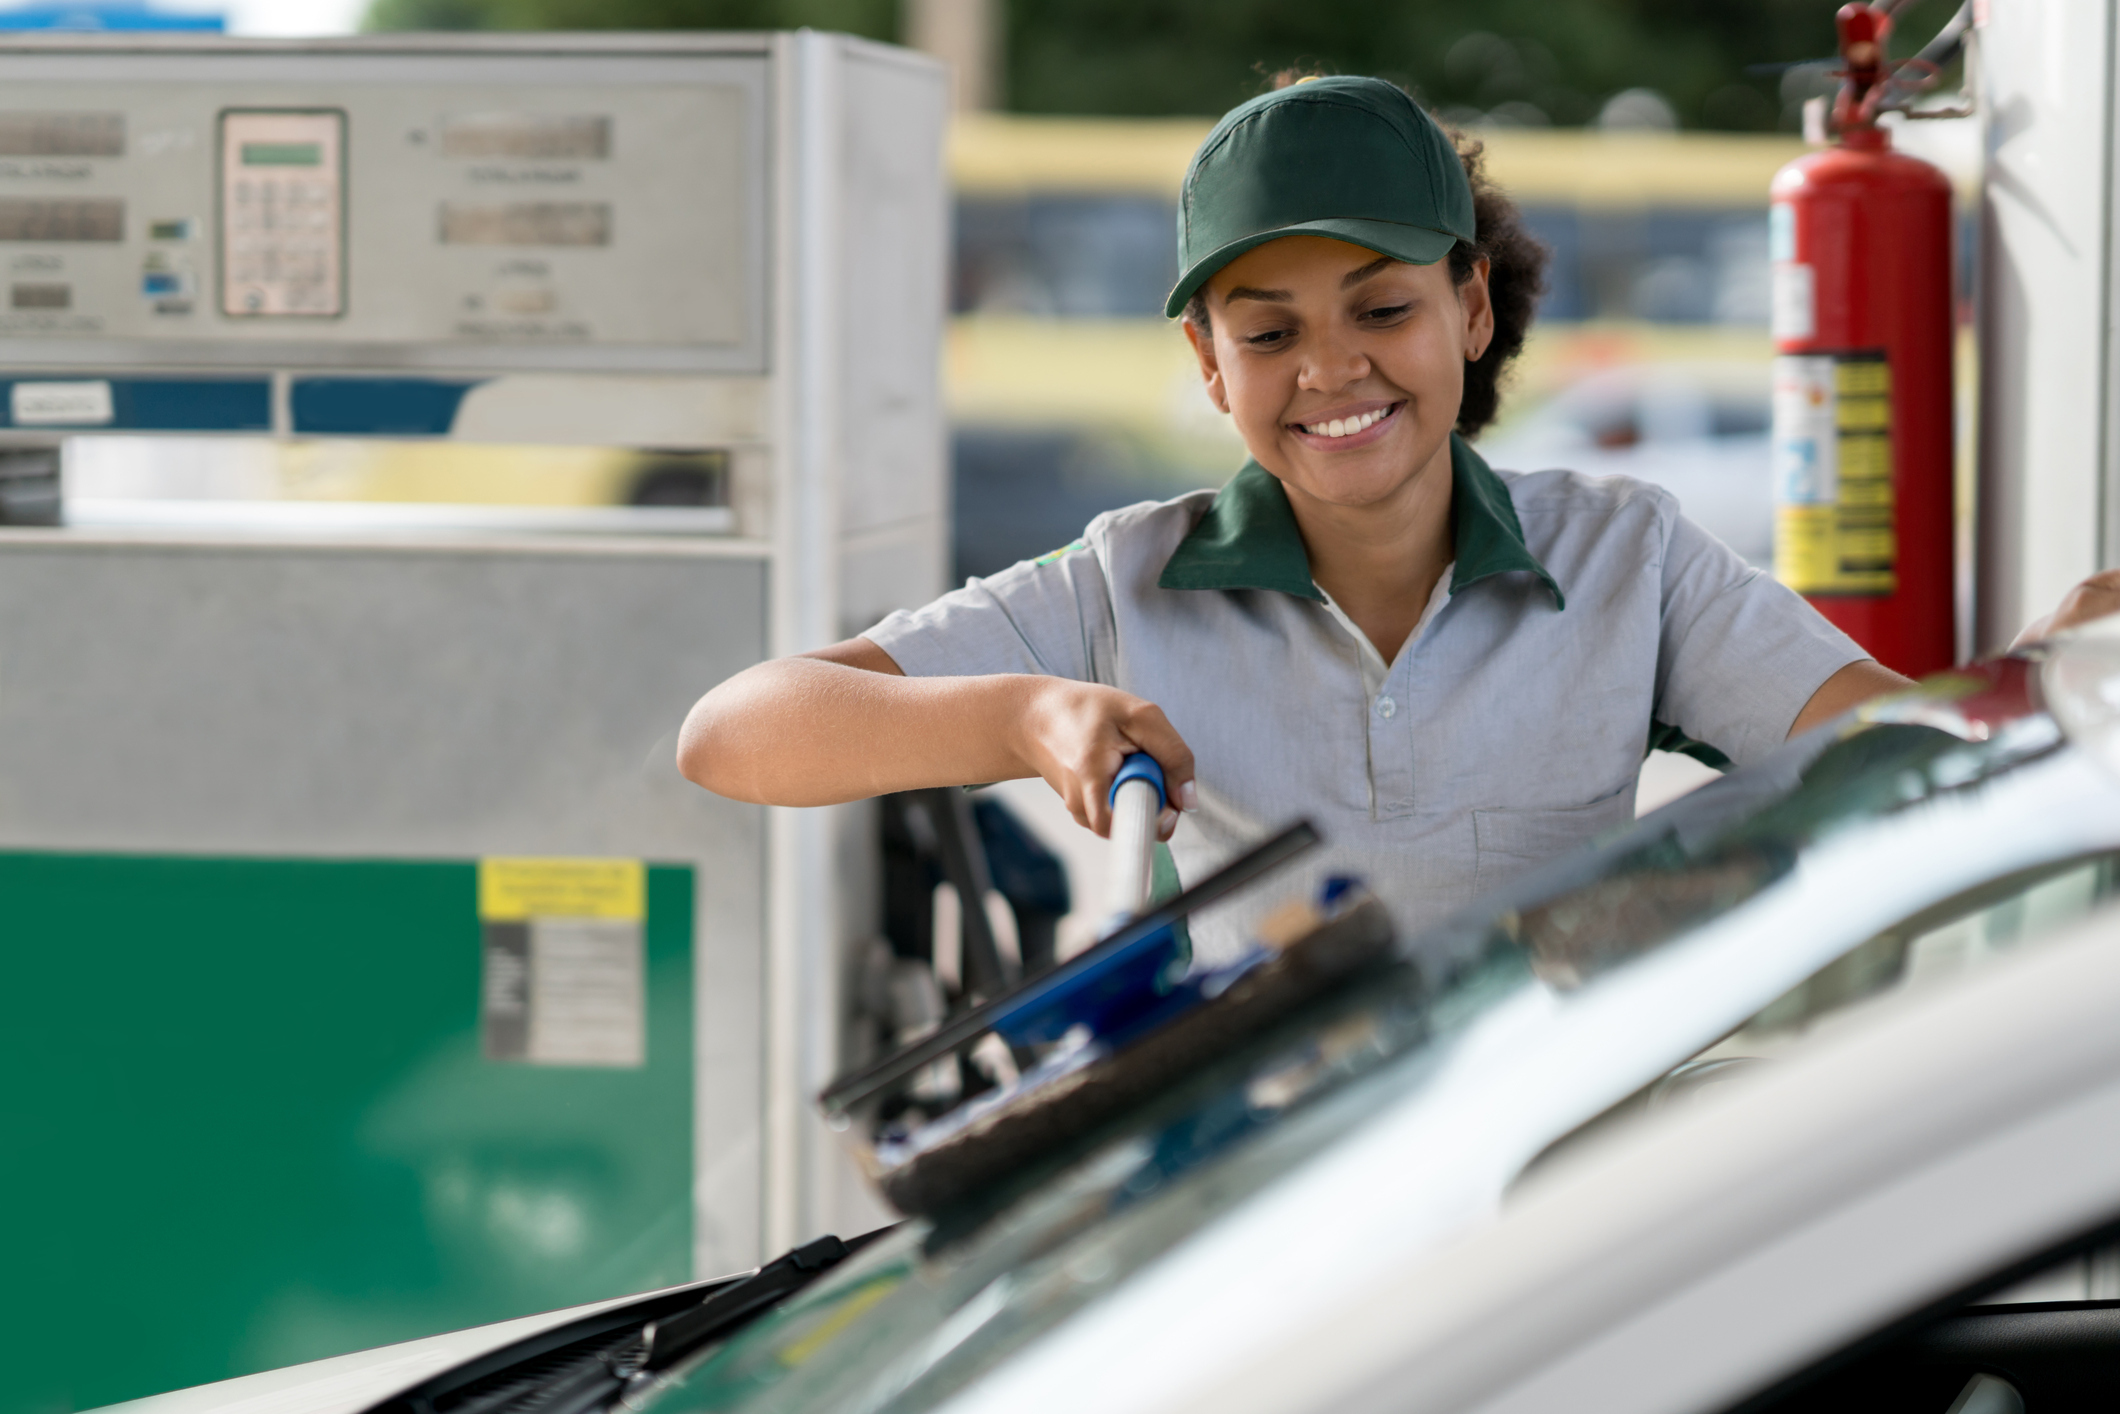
(565, 991)
(1806, 443)
(586, 1006)
(1795, 303)
(60, 404)
(1781, 232)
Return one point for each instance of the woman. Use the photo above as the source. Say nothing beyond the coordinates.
(1452, 671)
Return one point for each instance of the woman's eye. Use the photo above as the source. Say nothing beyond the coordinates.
(1388, 313)
(1270, 339)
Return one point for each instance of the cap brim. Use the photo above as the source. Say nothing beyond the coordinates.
(1416, 245)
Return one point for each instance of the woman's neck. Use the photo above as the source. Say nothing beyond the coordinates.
(1380, 562)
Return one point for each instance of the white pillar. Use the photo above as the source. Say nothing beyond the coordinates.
(2047, 459)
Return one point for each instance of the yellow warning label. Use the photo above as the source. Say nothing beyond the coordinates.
(513, 889)
(1834, 527)
(1804, 548)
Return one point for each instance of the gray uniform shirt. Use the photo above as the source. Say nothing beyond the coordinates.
(1580, 616)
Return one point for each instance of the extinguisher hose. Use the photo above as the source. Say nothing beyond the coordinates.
(1949, 40)
(1917, 75)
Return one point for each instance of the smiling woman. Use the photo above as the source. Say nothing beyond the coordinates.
(1453, 672)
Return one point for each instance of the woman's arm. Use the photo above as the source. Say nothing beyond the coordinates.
(844, 723)
(1859, 682)
(1852, 686)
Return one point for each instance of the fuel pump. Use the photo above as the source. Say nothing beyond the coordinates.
(1862, 320)
(437, 752)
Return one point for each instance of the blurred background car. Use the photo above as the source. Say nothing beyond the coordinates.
(1699, 430)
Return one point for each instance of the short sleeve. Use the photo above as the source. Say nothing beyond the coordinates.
(1739, 653)
(1050, 616)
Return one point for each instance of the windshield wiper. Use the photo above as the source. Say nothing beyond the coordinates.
(589, 1365)
(665, 1342)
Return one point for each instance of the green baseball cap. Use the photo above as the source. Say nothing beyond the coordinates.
(1354, 159)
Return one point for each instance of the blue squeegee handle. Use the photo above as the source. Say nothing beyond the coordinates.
(1137, 799)
(1263, 858)
(1140, 766)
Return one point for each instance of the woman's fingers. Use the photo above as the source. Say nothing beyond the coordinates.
(1094, 808)
(1152, 732)
(2094, 598)
(1079, 802)
(1097, 788)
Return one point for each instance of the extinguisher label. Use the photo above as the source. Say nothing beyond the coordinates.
(1793, 311)
(1833, 511)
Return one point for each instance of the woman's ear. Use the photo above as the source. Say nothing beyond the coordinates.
(1203, 347)
(1474, 300)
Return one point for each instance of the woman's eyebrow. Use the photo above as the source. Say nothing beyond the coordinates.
(1356, 277)
(1347, 282)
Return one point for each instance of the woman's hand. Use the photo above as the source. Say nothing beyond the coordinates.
(1075, 734)
(2093, 599)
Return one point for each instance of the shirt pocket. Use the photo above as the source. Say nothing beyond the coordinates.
(1510, 843)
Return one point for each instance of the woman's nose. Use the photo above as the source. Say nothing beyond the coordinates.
(1334, 363)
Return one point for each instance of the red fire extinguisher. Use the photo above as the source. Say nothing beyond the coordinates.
(1861, 244)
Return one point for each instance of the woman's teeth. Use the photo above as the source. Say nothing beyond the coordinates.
(1345, 426)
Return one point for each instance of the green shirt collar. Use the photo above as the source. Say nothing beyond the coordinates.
(1248, 538)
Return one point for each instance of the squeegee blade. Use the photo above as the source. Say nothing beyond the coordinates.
(1261, 859)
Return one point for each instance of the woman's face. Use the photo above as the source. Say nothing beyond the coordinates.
(1342, 368)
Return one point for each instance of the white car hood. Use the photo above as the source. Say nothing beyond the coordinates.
(347, 1384)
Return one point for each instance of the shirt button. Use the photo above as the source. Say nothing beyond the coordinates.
(1385, 707)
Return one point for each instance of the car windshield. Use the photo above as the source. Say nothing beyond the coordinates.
(937, 1304)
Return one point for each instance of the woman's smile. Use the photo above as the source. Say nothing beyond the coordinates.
(1343, 429)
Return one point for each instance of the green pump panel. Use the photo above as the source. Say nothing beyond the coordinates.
(254, 1113)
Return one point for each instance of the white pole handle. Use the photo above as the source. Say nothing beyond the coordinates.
(1135, 806)
(1137, 800)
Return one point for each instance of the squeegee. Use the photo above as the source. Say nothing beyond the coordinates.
(1109, 1029)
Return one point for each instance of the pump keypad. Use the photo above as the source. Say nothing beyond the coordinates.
(282, 213)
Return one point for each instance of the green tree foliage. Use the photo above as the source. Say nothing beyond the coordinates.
(1561, 57)
(1556, 61)
(1521, 61)
(878, 19)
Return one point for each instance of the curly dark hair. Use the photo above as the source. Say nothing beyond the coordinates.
(1516, 276)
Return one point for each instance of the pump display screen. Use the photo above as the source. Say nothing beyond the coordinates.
(283, 154)
(61, 221)
(537, 137)
(62, 134)
(527, 223)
